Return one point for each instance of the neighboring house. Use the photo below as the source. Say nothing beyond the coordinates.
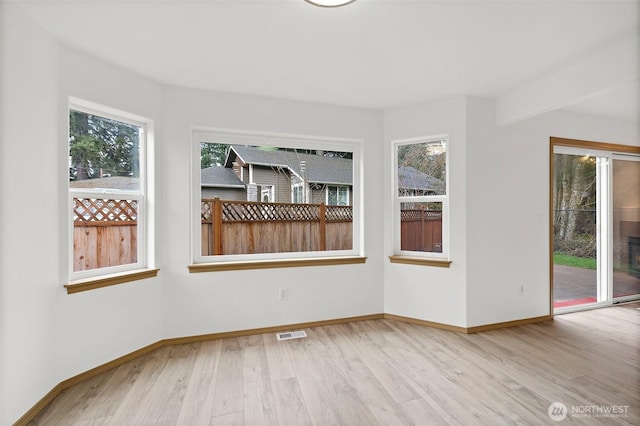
(223, 183)
(411, 181)
(281, 176)
(122, 183)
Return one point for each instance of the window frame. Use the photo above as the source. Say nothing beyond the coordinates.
(338, 188)
(119, 273)
(298, 189)
(422, 257)
(267, 190)
(279, 140)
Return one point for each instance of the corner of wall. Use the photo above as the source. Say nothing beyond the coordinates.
(29, 130)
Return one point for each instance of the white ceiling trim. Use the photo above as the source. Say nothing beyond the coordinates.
(583, 79)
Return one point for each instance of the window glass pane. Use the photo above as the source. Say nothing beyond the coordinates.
(338, 196)
(575, 230)
(421, 227)
(332, 198)
(298, 193)
(343, 196)
(422, 169)
(104, 233)
(626, 227)
(104, 156)
(103, 153)
(271, 200)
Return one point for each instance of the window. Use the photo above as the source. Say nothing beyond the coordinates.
(267, 193)
(268, 197)
(107, 191)
(420, 197)
(298, 193)
(337, 195)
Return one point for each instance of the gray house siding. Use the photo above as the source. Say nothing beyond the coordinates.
(276, 177)
(228, 194)
(318, 195)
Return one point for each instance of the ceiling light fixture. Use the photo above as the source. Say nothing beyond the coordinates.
(329, 3)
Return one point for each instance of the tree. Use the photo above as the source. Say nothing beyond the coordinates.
(212, 154)
(429, 158)
(100, 146)
(574, 200)
(85, 151)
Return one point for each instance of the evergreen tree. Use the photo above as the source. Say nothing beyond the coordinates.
(212, 154)
(99, 146)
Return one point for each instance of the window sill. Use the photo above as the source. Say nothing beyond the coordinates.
(92, 283)
(420, 261)
(266, 264)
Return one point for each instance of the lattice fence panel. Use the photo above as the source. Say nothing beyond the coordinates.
(420, 214)
(104, 210)
(206, 211)
(339, 214)
(246, 211)
(268, 212)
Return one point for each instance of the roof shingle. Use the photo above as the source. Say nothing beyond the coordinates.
(319, 168)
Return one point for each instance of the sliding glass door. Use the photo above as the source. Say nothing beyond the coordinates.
(596, 226)
(626, 226)
(575, 229)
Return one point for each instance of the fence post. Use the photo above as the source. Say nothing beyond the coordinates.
(323, 229)
(216, 226)
(422, 247)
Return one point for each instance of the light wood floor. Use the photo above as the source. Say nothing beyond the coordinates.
(376, 373)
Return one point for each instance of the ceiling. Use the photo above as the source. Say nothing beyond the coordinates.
(371, 54)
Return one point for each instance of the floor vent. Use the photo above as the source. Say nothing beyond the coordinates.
(291, 335)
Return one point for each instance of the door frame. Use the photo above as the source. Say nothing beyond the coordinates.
(581, 144)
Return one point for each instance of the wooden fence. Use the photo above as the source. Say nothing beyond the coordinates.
(104, 233)
(421, 230)
(243, 227)
(105, 230)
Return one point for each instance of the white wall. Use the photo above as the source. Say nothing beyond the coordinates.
(507, 220)
(499, 201)
(100, 325)
(47, 335)
(508, 206)
(425, 292)
(223, 301)
(29, 285)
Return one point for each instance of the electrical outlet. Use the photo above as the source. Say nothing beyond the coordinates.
(283, 293)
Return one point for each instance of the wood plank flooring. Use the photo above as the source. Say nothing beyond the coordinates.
(377, 373)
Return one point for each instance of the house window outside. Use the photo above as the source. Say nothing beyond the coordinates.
(281, 212)
(337, 195)
(297, 193)
(420, 197)
(107, 201)
(267, 193)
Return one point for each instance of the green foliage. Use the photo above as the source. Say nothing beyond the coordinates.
(212, 154)
(578, 262)
(101, 145)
